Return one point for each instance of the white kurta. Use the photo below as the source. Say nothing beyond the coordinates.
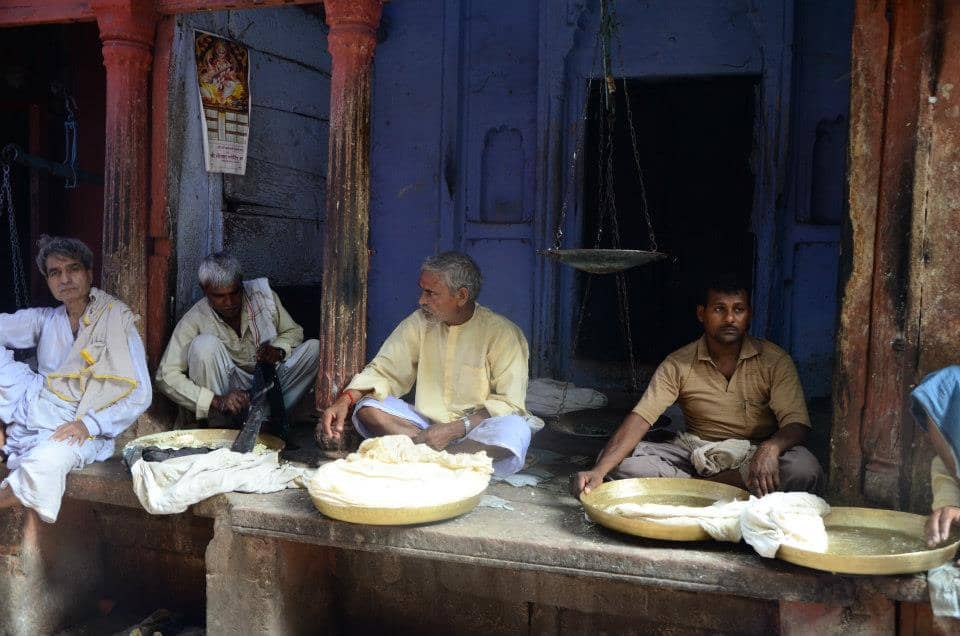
(32, 413)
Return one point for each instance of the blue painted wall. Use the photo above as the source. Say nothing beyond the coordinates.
(473, 117)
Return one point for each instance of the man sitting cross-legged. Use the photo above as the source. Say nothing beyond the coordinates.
(729, 386)
(214, 350)
(91, 381)
(470, 370)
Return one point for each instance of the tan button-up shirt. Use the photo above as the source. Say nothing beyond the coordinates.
(172, 376)
(763, 395)
(946, 490)
(456, 368)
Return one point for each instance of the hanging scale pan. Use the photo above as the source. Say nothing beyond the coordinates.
(603, 261)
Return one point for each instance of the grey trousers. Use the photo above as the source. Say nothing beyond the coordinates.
(799, 469)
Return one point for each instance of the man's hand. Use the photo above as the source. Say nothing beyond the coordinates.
(937, 529)
(233, 402)
(584, 482)
(74, 432)
(268, 353)
(764, 475)
(334, 417)
(439, 436)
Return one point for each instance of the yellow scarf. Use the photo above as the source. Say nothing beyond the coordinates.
(98, 371)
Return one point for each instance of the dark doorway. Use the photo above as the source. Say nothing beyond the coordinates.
(694, 142)
(40, 67)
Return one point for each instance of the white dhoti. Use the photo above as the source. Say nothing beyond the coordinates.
(39, 466)
(509, 432)
(210, 365)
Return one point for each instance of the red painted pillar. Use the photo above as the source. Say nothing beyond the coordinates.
(127, 31)
(343, 310)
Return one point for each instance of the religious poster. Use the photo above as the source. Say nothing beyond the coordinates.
(223, 76)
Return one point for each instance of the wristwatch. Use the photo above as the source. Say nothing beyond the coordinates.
(467, 425)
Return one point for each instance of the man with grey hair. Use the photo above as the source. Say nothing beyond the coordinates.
(209, 363)
(469, 366)
(91, 380)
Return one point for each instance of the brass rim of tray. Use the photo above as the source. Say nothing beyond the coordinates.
(901, 522)
(396, 516)
(625, 490)
(210, 437)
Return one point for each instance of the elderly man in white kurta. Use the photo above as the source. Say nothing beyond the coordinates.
(469, 365)
(91, 381)
(209, 362)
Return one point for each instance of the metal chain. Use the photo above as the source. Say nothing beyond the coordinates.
(19, 278)
(70, 139)
(636, 159)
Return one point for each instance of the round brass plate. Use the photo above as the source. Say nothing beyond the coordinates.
(872, 541)
(676, 492)
(603, 261)
(396, 516)
(204, 437)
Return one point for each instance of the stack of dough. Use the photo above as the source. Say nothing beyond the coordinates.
(393, 472)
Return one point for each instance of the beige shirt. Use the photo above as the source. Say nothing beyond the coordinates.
(763, 395)
(456, 368)
(172, 376)
(946, 490)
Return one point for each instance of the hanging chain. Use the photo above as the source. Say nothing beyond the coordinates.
(70, 139)
(6, 203)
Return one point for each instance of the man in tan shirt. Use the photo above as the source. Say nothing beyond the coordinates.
(469, 366)
(729, 386)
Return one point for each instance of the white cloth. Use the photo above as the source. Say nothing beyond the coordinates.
(39, 466)
(785, 518)
(510, 432)
(944, 586)
(780, 518)
(393, 472)
(546, 396)
(171, 486)
(710, 458)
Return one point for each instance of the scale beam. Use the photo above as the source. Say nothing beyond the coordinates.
(12, 153)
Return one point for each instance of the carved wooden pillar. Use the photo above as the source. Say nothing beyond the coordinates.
(127, 31)
(343, 310)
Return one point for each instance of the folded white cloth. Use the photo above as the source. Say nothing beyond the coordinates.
(791, 518)
(710, 458)
(173, 485)
(553, 397)
(944, 585)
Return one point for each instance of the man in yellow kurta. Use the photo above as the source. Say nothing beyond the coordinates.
(468, 363)
(208, 365)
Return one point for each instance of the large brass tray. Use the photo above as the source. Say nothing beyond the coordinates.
(396, 516)
(204, 437)
(678, 492)
(872, 541)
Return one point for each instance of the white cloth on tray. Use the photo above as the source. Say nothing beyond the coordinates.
(173, 485)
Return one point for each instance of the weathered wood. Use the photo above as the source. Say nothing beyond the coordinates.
(280, 191)
(190, 6)
(290, 237)
(870, 42)
(288, 139)
(277, 32)
(343, 308)
(27, 13)
(285, 85)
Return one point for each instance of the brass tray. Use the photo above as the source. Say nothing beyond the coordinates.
(662, 490)
(873, 541)
(396, 516)
(603, 261)
(209, 437)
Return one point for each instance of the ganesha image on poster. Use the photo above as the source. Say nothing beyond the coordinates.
(222, 72)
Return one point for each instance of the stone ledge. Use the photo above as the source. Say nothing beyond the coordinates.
(548, 532)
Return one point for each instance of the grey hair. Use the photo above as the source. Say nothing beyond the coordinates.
(219, 269)
(62, 246)
(457, 270)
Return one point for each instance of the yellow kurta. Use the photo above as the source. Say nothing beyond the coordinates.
(172, 376)
(946, 490)
(479, 364)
